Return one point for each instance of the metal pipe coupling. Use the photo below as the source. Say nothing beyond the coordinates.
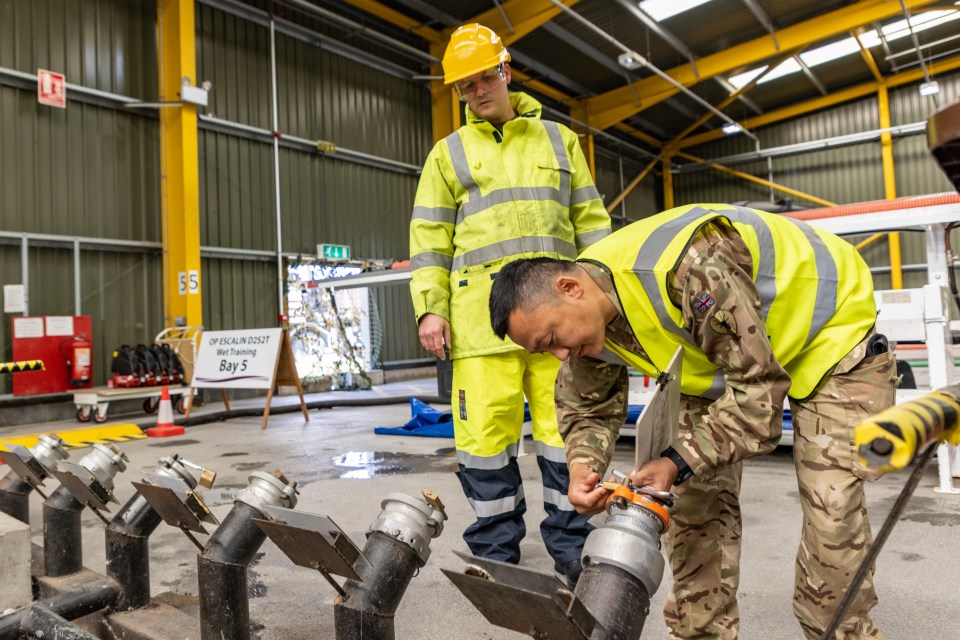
(629, 540)
(411, 520)
(173, 467)
(49, 450)
(266, 490)
(105, 461)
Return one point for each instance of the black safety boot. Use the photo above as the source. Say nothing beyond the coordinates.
(569, 572)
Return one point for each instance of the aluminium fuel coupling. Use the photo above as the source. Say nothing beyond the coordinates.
(622, 562)
(398, 545)
(127, 536)
(34, 467)
(62, 545)
(222, 567)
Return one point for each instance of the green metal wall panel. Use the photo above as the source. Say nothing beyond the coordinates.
(238, 294)
(641, 202)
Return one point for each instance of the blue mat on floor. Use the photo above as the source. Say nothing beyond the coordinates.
(427, 422)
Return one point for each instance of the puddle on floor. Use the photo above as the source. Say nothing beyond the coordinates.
(173, 443)
(363, 465)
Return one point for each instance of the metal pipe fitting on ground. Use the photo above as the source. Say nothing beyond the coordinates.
(15, 491)
(127, 536)
(93, 596)
(43, 623)
(398, 544)
(622, 569)
(222, 567)
(62, 548)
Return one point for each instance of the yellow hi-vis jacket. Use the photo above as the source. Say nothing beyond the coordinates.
(486, 198)
(816, 293)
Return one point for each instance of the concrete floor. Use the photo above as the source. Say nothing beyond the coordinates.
(344, 470)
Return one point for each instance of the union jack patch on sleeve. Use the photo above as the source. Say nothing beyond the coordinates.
(703, 303)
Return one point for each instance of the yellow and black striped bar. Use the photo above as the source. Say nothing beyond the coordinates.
(22, 365)
(892, 439)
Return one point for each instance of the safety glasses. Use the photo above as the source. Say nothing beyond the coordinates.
(488, 81)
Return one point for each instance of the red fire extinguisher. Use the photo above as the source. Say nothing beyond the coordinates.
(80, 361)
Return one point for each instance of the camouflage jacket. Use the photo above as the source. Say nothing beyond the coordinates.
(591, 395)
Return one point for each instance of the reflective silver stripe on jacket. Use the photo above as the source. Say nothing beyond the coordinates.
(767, 267)
(717, 386)
(558, 499)
(587, 238)
(498, 461)
(553, 454)
(430, 259)
(584, 194)
(556, 140)
(492, 508)
(828, 281)
(515, 246)
(477, 202)
(610, 356)
(435, 214)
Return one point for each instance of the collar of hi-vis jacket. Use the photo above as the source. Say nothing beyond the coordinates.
(523, 105)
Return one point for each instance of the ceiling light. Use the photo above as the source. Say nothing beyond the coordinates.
(631, 60)
(929, 88)
(663, 9)
(731, 128)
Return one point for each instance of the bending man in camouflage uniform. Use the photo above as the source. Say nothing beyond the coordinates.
(762, 306)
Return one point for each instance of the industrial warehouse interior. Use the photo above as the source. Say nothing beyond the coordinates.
(413, 319)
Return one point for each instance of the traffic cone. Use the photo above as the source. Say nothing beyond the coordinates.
(165, 426)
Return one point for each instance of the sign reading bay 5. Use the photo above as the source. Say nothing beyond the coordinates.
(333, 251)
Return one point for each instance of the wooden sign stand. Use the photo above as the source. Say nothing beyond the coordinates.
(284, 373)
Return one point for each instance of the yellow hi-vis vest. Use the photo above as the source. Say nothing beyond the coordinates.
(487, 197)
(816, 293)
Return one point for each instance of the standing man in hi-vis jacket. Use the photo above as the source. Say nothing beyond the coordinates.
(506, 185)
(763, 307)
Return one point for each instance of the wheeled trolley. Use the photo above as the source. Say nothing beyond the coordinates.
(93, 404)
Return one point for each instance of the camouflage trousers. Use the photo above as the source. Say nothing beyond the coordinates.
(703, 544)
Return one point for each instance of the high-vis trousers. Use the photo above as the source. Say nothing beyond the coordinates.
(488, 396)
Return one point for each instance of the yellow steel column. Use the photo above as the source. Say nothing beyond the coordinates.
(445, 103)
(667, 184)
(179, 172)
(889, 182)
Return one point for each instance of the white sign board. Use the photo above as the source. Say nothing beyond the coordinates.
(51, 88)
(59, 325)
(28, 327)
(244, 359)
(14, 298)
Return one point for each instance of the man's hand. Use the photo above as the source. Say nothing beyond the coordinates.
(658, 474)
(434, 334)
(584, 494)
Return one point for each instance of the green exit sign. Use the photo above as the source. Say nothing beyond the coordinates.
(333, 251)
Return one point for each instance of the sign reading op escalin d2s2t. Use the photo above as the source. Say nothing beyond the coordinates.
(51, 88)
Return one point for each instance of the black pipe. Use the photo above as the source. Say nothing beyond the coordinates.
(93, 596)
(43, 623)
(62, 543)
(15, 497)
(128, 553)
(222, 575)
(616, 599)
(367, 610)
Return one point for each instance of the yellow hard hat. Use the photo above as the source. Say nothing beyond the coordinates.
(473, 48)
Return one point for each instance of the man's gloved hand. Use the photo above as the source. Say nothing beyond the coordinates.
(434, 334)
(584, 494)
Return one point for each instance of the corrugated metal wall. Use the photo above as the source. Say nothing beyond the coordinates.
(86, 170)
(614, 173)
(93, 170)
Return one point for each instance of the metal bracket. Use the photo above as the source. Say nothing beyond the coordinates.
(179, 507)
(85, 487)
(525, 601)
(313, 541)
(25, 465)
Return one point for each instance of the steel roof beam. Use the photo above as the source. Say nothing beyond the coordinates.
(811, 76)
(618, 104)
(835, 98)
(634, 9)
(763, 19)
